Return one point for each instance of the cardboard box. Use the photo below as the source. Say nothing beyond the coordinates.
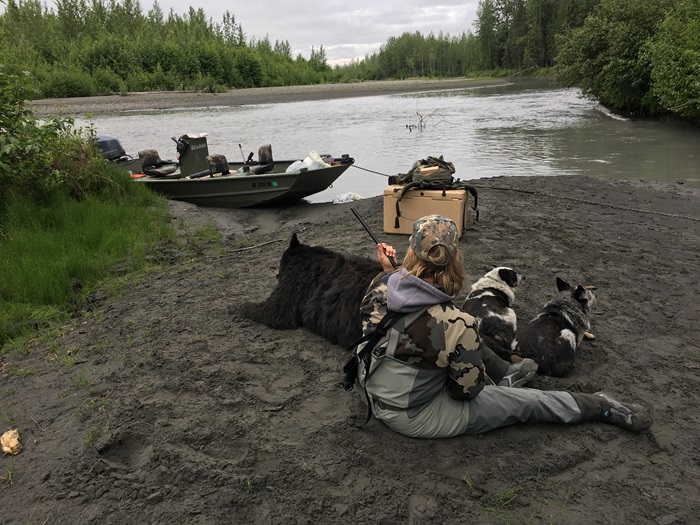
(417, 203)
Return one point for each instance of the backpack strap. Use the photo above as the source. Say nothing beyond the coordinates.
(458, 184)
(364, 355)
(409, 186)
(472, 190)
(442, 186)
(372, 338)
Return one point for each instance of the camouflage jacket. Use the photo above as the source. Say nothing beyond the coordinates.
(439, 349)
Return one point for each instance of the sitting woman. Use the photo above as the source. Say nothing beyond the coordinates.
(431, 377)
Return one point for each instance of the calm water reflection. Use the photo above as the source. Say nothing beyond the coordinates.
(520, 130)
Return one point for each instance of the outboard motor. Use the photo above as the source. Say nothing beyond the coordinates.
(110, 148)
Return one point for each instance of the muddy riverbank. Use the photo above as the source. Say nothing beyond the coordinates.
(163, 405)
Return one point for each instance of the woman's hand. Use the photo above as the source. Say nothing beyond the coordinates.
(384, 253)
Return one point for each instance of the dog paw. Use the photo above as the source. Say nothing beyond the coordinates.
(588, 336)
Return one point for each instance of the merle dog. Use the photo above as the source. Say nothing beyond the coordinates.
(489, 302)
(317, 289)
(553, 336)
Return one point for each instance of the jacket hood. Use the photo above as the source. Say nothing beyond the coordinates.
(407, 293)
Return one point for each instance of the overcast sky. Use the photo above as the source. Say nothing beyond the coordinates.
(346, 29)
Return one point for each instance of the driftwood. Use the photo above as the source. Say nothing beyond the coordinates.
(255, 246)
(424, 120)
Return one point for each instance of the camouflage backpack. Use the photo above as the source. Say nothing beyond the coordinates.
(364, 348)
(432, 169)
(432, 173)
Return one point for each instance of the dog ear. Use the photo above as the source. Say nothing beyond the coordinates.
(508, 276)
(294, 242)
(488, 268)
(580, 294)
(562, 285)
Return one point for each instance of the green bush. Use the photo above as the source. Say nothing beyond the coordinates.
(66, 215)
(107, 82)
(40, 158)
(210, 64)
(249, 68)
(674, 55)
(155, 81)
(606, 57)
(209, 84)
(70, 82)
(111, 52)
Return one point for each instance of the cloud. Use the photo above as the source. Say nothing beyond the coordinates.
(345, 30)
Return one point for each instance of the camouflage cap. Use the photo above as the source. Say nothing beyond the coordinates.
(433, 230)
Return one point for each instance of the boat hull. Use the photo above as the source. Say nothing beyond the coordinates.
(245, 190)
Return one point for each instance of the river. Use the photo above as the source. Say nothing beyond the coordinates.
(528, 128)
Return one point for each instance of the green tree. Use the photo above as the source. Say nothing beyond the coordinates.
(317, 61)
(231, 30)
(674, 55)
(539, 50)
(99, 46)
(489, 38)
(606, 57)
(283, 48)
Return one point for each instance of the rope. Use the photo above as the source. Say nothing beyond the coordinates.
(594, 203)
(371, 171)
(584, 201)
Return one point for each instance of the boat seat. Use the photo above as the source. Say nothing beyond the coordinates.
(150, 159)
(167, 168)
(262, 168)
(151, 164)
(218, 164)
(265, 154)
(265, 163)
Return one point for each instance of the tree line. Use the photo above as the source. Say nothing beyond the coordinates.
(94, 47)
(509, 35)
(639, 57)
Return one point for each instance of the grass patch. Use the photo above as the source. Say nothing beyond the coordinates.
(7, 416)
(52, 254)
(7, 475)
(21, 372)
(499, 505)
(208, 233)
(93, 435)
(89, 407)
(82, 382)
(6, 392)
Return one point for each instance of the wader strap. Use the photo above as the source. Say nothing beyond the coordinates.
(390, 349)
(472, 190)
(370, 339)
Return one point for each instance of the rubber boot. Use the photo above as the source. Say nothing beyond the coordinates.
(519, 374)
(601, 407)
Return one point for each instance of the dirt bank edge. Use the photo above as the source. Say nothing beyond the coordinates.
(238, 97)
